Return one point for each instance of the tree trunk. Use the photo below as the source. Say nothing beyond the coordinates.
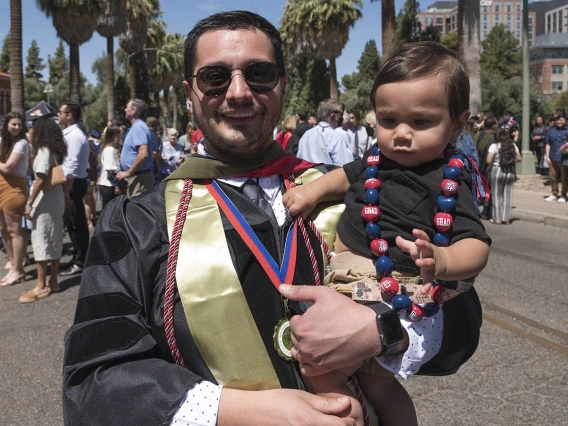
(16, 64)
(157, 100)
(175, 108)
(74, 73)
(333, 89)
(132, 78)
(470, 47)
(388, 18)
(165, 107)
(110, 78)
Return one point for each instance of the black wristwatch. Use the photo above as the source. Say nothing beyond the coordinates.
(388, 323)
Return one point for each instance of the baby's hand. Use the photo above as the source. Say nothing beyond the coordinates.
(424, 254)
(298, 200)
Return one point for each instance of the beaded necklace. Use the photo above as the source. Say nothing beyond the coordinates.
(443, 222)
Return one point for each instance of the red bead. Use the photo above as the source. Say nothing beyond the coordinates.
(379, 247)
(373, 183)
(443, 221)
(389, 287)
(370, 213)
(373, 160)
(416, 313)
(439, 295)
(456, 162)
(449, 187)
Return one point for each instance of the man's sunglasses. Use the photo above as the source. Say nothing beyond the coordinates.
(214, 80)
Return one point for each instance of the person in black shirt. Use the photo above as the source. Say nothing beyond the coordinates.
(413, 133)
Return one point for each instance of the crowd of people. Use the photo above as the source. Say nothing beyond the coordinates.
(101, 164)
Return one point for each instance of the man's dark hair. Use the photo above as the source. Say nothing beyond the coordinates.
(140, 106)
(356, 113)
(233, 20)
(74, 109)
(490, 122)
(413, 61)
(152, 122)
(302, 115)
(561, 114)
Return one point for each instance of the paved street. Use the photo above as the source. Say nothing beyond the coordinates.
(518, 375)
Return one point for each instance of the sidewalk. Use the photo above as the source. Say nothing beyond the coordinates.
(528, 203)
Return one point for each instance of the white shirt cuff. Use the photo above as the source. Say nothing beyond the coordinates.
(425, 340)
(199, 407)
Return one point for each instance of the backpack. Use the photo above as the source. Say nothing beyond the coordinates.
(507, 161)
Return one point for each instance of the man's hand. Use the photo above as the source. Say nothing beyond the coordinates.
(426, 256)
(282, 407)
(67, 200)
(123, 175)
(335, 332)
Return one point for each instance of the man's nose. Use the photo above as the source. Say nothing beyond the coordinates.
(238, 87)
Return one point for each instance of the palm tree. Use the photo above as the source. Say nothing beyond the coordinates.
(388, 22)
(110, 25)
(156, 38)
(16, 65)
(132, 41)
(470, 48)
(312, 27)
(74, 21)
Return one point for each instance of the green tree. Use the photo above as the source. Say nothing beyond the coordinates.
(388, 21)
(5, 55)
(34, 92)
(501, 54)
(358, 85)
(560, 101)
(35, 63)
(16, 63)
(451, 41)
(58, 65)
(74, 21)
(430, 33)
(312, 27)
(469, 47)
(369, 61)
(109, 25)
(408, 27)
(308, 85)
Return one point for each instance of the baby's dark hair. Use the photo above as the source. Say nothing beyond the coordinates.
(412, 61)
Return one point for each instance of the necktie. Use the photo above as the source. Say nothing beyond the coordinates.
(356, 143)
(253, 192)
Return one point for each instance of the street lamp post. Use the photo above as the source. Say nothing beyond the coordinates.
(527, 163)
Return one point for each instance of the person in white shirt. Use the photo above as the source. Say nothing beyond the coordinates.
(357, 134)
(75, 169)
(110, 164)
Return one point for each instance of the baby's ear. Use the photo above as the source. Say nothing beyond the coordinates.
(459, 124)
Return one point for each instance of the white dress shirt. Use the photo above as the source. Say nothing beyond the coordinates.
(323, 144)
(77, 159)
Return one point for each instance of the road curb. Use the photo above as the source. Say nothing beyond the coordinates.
(540, 217)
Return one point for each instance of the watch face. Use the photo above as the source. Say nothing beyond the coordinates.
(391, 328)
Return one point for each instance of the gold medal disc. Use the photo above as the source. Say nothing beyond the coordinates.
(283, 339)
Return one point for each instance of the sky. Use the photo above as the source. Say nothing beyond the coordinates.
(180, 16)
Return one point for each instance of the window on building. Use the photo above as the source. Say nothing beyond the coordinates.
(485, 17)
(530, 19)
(518, 17)
(518, 7)
(518, 35)
(548, 23)
(508, 16)
(508, 8)
(509, 26)
(485, 25)
(484, 34)
(497, 8)
(554, 22)
(496, 18)
(439, 28)
(518, 25)
(556, 86)
(439, 20)
(557, 69)
(484, 9)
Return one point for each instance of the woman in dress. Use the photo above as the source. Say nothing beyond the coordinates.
(14, 157)
(110, 165)
(502, 180)
(538, 135)
(45, 208)
(172, 155)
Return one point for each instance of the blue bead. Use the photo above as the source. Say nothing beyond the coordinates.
(376, 150)
(373, 230)
(372, 196)
(383, 266)
(431, 309)
(371, 172)
(458, 156)
(441, 240)
(452, 172)
(446, 204)
(401, 302)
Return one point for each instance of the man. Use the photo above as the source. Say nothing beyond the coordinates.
(507, 120)
(313, 120)
(322, 144)
(216, 313)
(75, 169)
(558, 169)
(343, 129)
(135, 158)
(357, 134)
(155, 145)
(302, 125)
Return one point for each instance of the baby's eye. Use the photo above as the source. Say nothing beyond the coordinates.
(387, 120)
(422, 122)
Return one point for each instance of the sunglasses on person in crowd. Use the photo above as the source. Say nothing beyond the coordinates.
(214, 80)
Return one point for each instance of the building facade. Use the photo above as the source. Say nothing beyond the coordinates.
(548, 62)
